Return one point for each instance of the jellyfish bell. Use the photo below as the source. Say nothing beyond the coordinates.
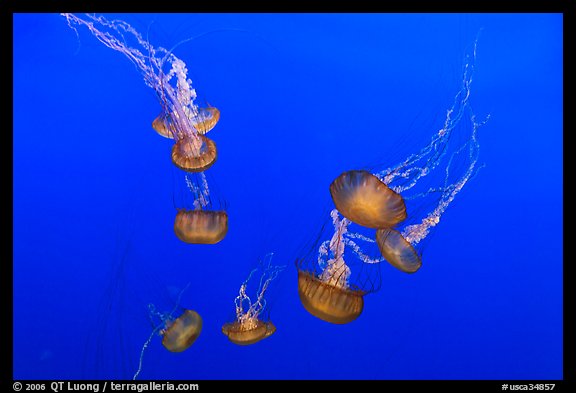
(181, 333)
(194, 154)
(329, 302)
(364, 199)
(201, 226)
(161, 126)
(206, 119)
(246, 334)
(397, 250)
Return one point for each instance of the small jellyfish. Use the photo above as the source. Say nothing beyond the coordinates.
(199, 221)
(326, 284)
(364, 199)
(249, 328)
(397, 250)
(181, 333)
(178, 334)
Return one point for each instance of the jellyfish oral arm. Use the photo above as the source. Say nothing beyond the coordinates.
(116, 44)
(334, 270)
(200, 191)
(431, 155)
(415, 233)
(247, 312)
(178, 100)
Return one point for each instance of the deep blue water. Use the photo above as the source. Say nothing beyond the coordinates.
(303, 97)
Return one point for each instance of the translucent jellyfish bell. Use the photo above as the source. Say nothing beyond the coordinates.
(364, 199)
(199, 220)
(204, 121)
(181, 333)
(249, 328)
(162, 127)
(397, 250)
(207, 119)
(194, 154)
(201, 226)
(239, 334)
(329, 302)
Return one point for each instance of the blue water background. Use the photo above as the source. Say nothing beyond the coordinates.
(303, 97)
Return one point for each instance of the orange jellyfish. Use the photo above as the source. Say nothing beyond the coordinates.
(178, 334)
(397, 250)
(194, 153)
(325, 280)
(181, 333)
(202, 222)
(364, 199)
(249, 328)
(201, 226)
(205, 121)
(329, 302)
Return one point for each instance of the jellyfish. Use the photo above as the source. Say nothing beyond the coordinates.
(205, 121)
(181, 118)
(363, 198)
(201, 221)
(397, 250)
(178, 334)
(249, 327)
(326, 285)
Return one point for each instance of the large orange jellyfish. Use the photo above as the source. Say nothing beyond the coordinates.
(249, 327)
(181, 119)
(364, 199)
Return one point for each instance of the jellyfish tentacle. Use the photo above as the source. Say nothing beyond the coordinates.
(433, 153)
(358, 252)
(164, 318)
(416, 232)
(248, 328)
